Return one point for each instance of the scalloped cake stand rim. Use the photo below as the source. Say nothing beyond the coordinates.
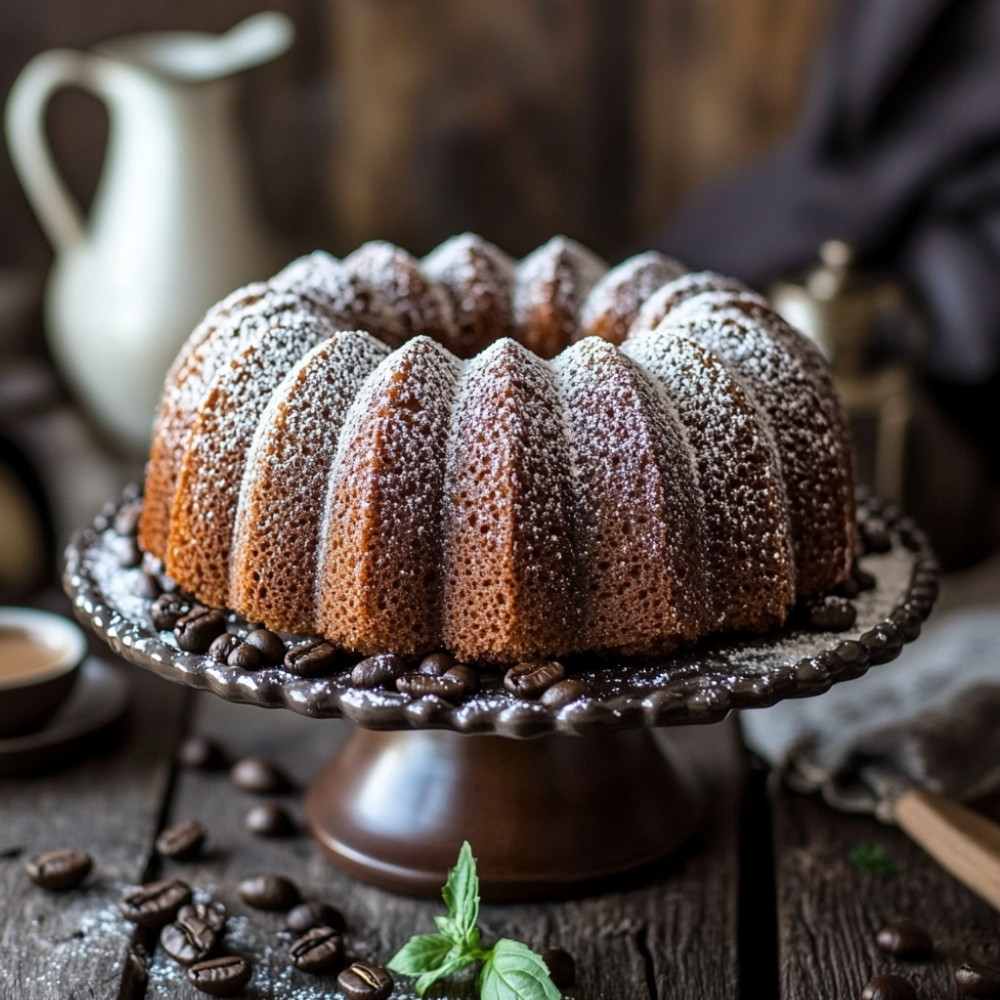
(700, 685)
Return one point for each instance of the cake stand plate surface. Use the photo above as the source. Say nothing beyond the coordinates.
(544, 814)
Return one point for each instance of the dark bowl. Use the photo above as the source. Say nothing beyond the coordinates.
(27, 704)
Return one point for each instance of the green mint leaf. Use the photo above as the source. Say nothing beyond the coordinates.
(421, 954)
(461, 896)
(512, 971)
(446, 927)
(458, 960)
(871, 858)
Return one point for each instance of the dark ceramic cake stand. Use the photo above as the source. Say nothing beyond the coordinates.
(550, 799)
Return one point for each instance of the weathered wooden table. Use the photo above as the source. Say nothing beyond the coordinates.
(764, 904)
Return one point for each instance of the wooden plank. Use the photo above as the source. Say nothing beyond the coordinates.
(670, 934)
(466, 115)
(829, 911)
(74, 945)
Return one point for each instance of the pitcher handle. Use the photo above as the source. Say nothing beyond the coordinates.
(58, 212)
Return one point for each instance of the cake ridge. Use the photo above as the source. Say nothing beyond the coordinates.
(278, 531)
(514, 459)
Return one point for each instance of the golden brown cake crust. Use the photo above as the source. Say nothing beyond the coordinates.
(324, 462)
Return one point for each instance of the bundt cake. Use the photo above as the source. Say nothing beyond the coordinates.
(502, 460)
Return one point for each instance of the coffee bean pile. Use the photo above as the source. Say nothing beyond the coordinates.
(211, 632)
(192, 933)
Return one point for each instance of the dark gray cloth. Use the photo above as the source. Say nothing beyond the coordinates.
(931, 718)
(897, 150)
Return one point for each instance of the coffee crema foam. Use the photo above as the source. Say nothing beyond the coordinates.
(25, 653)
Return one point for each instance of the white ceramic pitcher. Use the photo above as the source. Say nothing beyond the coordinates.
(173, 226)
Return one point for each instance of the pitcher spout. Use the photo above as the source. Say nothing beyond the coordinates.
(199, 57)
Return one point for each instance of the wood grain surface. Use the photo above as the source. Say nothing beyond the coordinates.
(764, 904)
(669, 933)
(829, 911)
(74, 945)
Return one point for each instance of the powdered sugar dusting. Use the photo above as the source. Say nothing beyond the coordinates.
(637, 510)
(350, 302)
(614, 303)
(551, 285)
(208, 486)
(509, 559)
(747, 537)
(675, 293)
(480, 279)
(282, 500)
(814, 464)
(423, 304)
(497, 481)
(380, 581)
(236, 320)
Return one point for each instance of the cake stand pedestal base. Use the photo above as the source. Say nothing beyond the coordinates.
(544, 816)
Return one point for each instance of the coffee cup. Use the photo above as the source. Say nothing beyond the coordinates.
(40, 657)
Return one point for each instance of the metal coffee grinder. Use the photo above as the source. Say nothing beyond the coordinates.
(865, 325)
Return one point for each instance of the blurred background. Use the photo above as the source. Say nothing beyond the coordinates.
(756, 136)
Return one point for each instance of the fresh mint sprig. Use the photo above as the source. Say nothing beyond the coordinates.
(871, 858)
(510, 970)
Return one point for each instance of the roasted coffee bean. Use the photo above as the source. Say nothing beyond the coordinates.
(127, 552)
(863, 578)
(312, 659)
(167, 610)
(199, 628)
(562, 968)
(61, 869)
(530, 680)
(213, 914)
(831, 614)
(978, 980)
(268, 892)
(905, 939)
(220, 977)
(245, 656)
(182, 842)
(378, 671)
(318, 950)
(147, 586)
(418, 685)
(436, 664)
(127, 519)
(889, 988)
(200, 754)
(188, 940)
(875, 535)
(268, 644)
(364, 981)
(223, 645)
(563, 692)
(156, 903)
(306, 916)
(468, 677)
(260, 776)
(269, 820)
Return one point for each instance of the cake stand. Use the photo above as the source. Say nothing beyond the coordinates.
(550, 799)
